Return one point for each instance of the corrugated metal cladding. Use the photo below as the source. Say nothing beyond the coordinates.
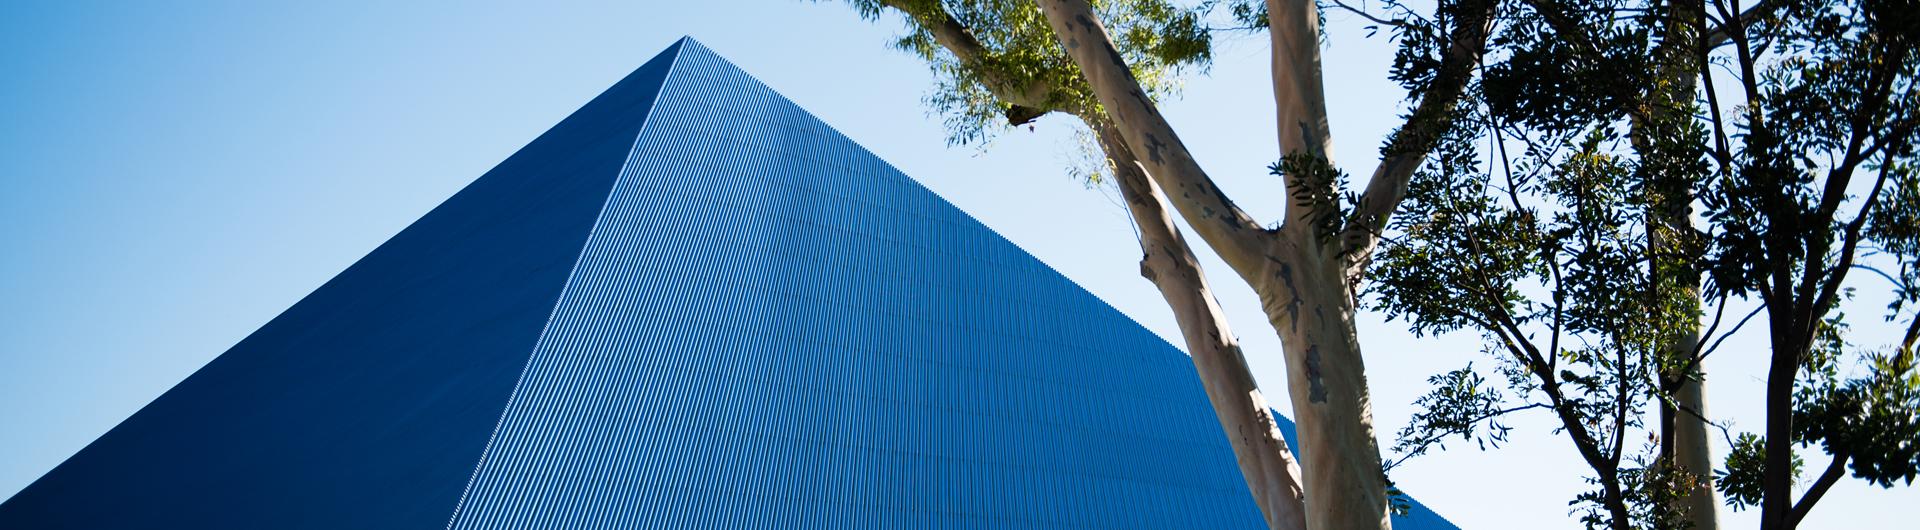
(366, 404)
(765, 326)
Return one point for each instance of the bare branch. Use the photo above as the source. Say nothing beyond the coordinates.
(1370, 16)
(1703, 353)
(1897, 284)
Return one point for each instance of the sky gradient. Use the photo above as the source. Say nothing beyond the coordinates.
(176, 176)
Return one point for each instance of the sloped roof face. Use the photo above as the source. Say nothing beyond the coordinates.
(691, 304)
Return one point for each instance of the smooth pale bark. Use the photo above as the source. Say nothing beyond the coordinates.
(1693, 454)
(1308, 303)
(1265, 461)
(1305, 285)
(1235, 236)
(1299, 101)
(1302, 286)
(1685, 416)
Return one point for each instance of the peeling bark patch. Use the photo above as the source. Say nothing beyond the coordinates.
(1140, 97)
(1146, 271)
(1217, 194)
(1086, 24)
(1293, 306)
(1154, 147)
(1306, 135)
(1316, 391)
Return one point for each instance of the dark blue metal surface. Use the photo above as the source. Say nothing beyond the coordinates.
(765, 326)
(366, 404)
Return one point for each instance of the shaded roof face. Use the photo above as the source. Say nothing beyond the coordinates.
(690, 303)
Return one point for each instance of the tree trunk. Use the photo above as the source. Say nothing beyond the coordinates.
(1683, 414)
(1684, 418)
(1307, 301)
(1689, 447)
(1303, 283)
(1271, 473)
(1776, 481)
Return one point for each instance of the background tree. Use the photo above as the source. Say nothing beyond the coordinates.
(1577, 254)
(1558, 225)
(1827, 94)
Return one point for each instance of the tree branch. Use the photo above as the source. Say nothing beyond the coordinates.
(1414, 139)
(1234, 235)
(1369, 16)
(1168, 262)
(1028, 101)
(1719, 35)
(1819, 488)
(1830, 289)
(1300, 103)
(1702, 354)
(1422, 447)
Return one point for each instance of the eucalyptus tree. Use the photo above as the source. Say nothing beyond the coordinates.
(996, 65)
(1307, 269)
(1558, 221)
(1106, 64)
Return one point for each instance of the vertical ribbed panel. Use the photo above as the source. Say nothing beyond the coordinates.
(770, 327)
(366, 404)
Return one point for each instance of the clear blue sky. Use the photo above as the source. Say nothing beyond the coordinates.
(175, 176)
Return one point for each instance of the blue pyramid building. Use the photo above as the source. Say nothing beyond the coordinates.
(689, 305)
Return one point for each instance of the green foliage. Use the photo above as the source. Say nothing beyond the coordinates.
(1162, 41)
(1555, 213)
(1839, 106)
(1771, 206)
(1646, 489)
(1547, 82)
(1314, 184)
(1867, 419)
(1558, 224)
(1461, 400)
(1741, 480)
(1896, 228)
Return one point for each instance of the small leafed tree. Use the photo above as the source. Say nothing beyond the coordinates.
(1558, 221)
(1106, 64)
(1817, 164)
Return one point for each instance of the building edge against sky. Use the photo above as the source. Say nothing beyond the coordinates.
(691, 302)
